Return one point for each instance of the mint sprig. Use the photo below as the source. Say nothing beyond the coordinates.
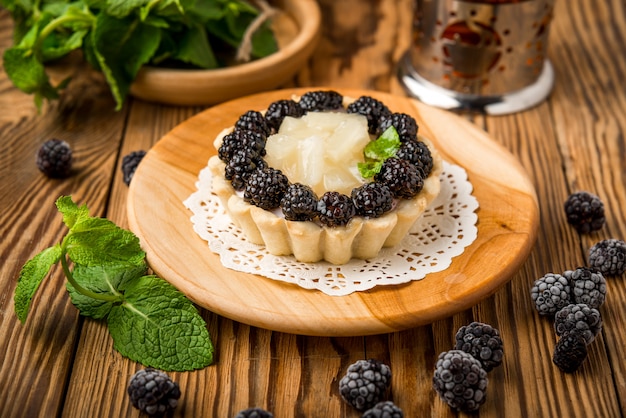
(150, 321)
(379, 150)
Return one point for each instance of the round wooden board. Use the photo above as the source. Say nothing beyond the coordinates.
(508, 219)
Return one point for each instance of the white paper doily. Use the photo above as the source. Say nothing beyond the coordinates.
(445, 229)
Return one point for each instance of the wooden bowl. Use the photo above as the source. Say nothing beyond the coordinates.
(297, 28)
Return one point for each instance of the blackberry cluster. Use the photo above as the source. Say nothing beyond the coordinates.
(365, 383)
(608, 257)
(570, 352)
(403, 178)
(550, 293)
(460, 380)
(578, 318)
(404, 124)
(54, 158)
(153, 392)
(481, 341)
(278, 110)
(418, 153)
(385, 409)
(254, 413)
(130, 163)
(587, 286)
(374, 110)
(320, 100)
(335, 209)
(585, 212)
(299, 203)
(265, 188)
(239, 140)
(253, 121)
(240, 165)
(372, 199)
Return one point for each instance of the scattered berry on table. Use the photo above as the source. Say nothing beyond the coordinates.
(130, 162)
(335, 209)
(404, 124)
(609, 257)
(365, 383)
(578, 318)
(265, 188)
(570, 352)
(386, 409)
(481, 341)
(254, 121)
(372, 199)
(460, 380)
(320, 100)
(54, 158)
(402, 177)
(585, 212)
(587, 286)
(374, 110)
(241, 164)
(241, 140)
(153, 392)
(418, 153)
(254, 413)
(278, 110)
(299, 203)
(550, 293)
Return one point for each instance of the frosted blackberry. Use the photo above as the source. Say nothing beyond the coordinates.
(460, 380)
(54, 158)
(609, 257)
(254, 413)
(299, 203)
(374, 110)
(372, 200)
(587, 286)
(241, 140)
(130, 163)
(418, 153)
(320, 100)
(578, 318)
(153, 392)
(278, 110)
(386, 409)
(335, 209)
(550, 293)
(265, 188)
(365, 383)
(585, 212)
(240, 166)
(404, 124)
(481, 341)
(570, 352)
(254, 121)
(403, 178)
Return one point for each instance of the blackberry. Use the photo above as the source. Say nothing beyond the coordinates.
(278, 110)
(374, 110)
(578, 318)
(299, 203)
(241, 140)
(481, 341)
(253, 121)
(418, 153)
(372, 199)
(240, 166)
(153, 392)
(335, 209)
(319, 100)
(403, 178)
(386, 409)
(54, 158)
(254, 413)
(130, 163)
(587, 286)
(550, 293)
(585, 212)
(365, 383)
(265, 188)
(570, 352)
(609, 257)
(460, 380)
(404, 124)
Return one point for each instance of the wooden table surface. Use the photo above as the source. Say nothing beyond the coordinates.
(60, 364)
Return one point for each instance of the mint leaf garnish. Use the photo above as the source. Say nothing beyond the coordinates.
(379, 150)
(71, 212)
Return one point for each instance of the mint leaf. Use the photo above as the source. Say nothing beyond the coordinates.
(194, 48)
(28, 73)
(379, 150)
(72, 213)
(158, 327)
(31, 276)
(122, 8)
(369, 169)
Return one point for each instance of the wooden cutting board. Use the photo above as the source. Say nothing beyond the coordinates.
(508, 219)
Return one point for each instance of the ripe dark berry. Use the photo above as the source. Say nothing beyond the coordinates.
(578, 318)
(153, 392)
(374, 110)
(365, 383)
(241, 140)
(240, 166)
(609, 257)
(321, 100)
(372, 199)
(550, 293)
(335, 209)
(299, 203)
(585, 212)
(587, 286)
(265, 188)
(460, 380)
(130, 163)
(481, 341)
(254, 413)
(54, 158)
(570, 352)
(404, 124)
(253, 121)
(386, 409)
(278, 110)
(403, 178)
(418, 153)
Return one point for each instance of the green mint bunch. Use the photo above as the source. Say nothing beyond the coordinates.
(377, 151)
(150, 321)
(118, 37)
